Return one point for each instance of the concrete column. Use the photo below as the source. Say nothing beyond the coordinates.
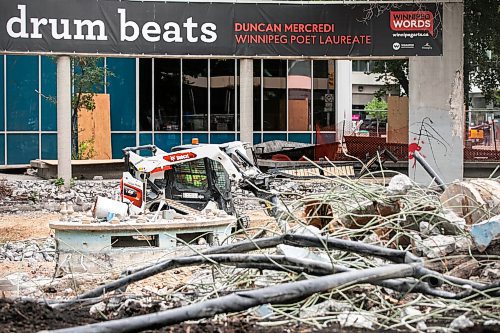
(437, 105)
(64, 119)
(246, 100)
(343, 97)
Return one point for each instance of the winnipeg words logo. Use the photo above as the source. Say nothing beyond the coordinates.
(396, 46)
(412, 21)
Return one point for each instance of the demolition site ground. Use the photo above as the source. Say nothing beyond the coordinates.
(332, 227)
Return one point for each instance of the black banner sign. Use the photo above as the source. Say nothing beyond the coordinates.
(219, 29)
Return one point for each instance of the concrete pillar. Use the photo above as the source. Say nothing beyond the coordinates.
(343, 97)
(64, 119)
(246, 100)
(437, 105)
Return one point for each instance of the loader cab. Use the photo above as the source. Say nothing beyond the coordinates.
(197, 182)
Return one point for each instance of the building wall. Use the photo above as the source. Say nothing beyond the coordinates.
(291, 99)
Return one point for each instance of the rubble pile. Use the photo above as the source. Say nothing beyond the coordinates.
(31, 250)
(44, 195)
(388, 255)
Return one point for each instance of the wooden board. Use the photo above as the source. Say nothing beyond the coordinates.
(298, 115)
(397, 119)
(94, 128)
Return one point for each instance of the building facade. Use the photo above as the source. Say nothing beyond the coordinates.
(166, 102)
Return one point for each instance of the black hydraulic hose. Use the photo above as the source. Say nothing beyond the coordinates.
(397, 256)
(239, 301)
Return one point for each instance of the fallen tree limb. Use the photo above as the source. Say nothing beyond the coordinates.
(288, 239)
(239, 301)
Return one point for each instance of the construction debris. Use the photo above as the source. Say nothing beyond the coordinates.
(367, 253)
(483, 233)
(474, 200)
(28, 251)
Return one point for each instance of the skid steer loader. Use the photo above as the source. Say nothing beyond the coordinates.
(191, 176)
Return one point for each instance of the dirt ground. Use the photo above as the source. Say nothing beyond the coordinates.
(24, 226)
(35, 270)
(29, 317)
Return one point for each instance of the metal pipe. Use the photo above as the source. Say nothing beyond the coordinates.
(429, 170)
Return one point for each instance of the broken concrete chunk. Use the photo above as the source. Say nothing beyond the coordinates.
(410, 311)
(97, 309)
(355, 319)
(421, 326)
(428, 229)
(485, 232)
(363, 212)
(450, 222)
(323, 308)
(461, 323)
(474, 199)
(441, 245)
(399, 185)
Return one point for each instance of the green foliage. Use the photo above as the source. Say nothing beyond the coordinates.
(85, 150)
(59, 182)
(88, 76)
(374, 108)
(376, 104)
(394, 75)
(482, 46)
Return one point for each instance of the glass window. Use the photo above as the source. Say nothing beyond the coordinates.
(274, 96)
(324, 95)
(362, 66)
(22, 98)
(2, 98)
(299, 95)
(48, 85)
(191, 175)
(22, 148)
(195, 95)
(121, 90)
(145, 94)
(359, 66)
(222, 94)
(167, 95)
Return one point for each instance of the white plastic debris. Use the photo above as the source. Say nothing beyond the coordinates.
(301, 253)
(105, 206)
